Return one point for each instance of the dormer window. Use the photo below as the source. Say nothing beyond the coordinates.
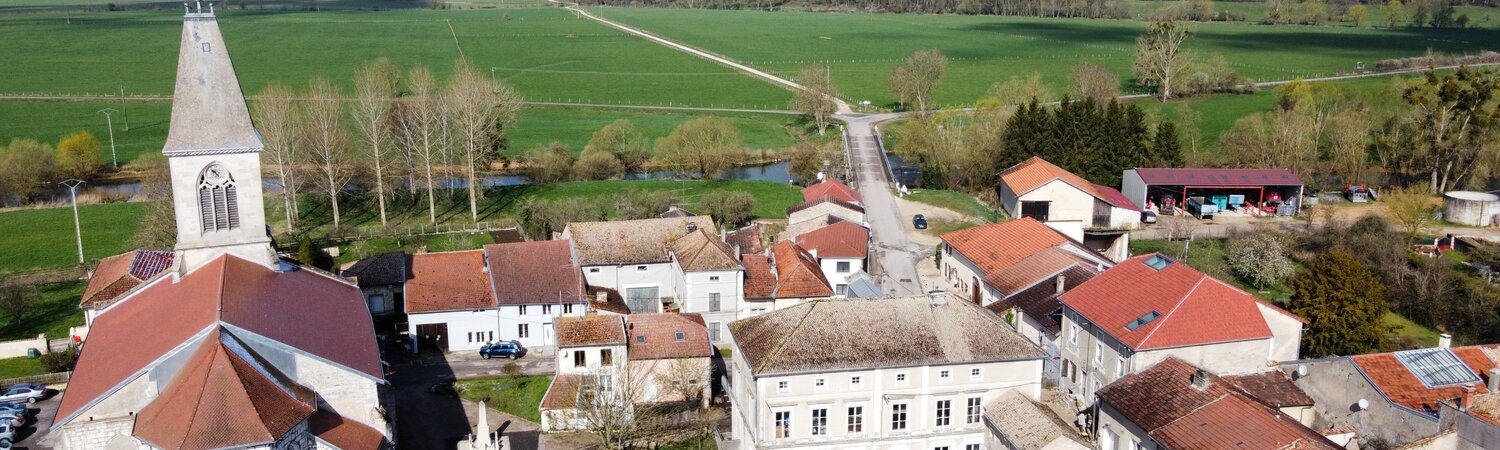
(681, 336)
(218, 202)
(691, 227)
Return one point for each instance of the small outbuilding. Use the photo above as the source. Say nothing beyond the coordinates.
(1267, 191)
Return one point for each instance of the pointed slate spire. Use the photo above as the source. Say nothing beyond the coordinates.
(208, 109)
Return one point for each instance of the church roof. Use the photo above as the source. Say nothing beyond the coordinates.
(223, 398)
(310, 312)
(207, 95)
(119, 274)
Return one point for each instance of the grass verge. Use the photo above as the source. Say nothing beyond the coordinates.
(43, 238)
(1404, 329)
(957, 201)
(515, 395)
(21, 367)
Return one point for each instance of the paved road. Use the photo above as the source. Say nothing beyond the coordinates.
(895, 257)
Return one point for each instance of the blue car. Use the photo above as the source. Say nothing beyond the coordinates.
(504, 349)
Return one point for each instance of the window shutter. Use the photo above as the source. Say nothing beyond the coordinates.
(233, 206)
(221, 213)
(205, 208)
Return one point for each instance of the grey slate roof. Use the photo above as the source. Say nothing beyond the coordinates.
(208, 109)
(829, 335)
(1028, 425)
(641, 241)
(380, 270)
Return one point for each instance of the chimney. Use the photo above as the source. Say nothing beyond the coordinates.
(1445, 340)
(937, 298)
(1466, 400)
(1062, 283)
(1493, 385)
(737, 256)
(1200, 379)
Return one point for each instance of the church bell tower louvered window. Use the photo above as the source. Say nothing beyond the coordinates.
(218, 204)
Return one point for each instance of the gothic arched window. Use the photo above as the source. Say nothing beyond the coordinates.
(218, 206)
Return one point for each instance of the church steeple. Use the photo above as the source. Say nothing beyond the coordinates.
(213, 152)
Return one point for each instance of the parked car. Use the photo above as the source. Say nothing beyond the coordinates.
(1148, 217)
(7, 434)
(503, 349)
(13, 418)
(17, 408)
(23, 393)
(919, 222)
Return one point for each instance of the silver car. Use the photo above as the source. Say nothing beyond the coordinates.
(23, 393)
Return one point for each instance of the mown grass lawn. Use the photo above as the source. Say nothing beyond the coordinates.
(21, 367)
(862, 49)
(500, 204)
(957, 201)
(43, 238)
(1404, 328)
(1210, 257)
(516, 395)
(55, 311)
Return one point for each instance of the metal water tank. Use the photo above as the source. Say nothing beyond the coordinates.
(1471, 208)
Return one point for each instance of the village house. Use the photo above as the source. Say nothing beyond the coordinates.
(117, 275)
(1098, 216)
(230, 346)
(506, 292)
(1016, 422)
(382, 280)
(1150, 307)
(840, 248)
(607, 364)
(782, 277)
(1402, 397)
(907, 372)
(823, 204)
(642, 261)
(994, 262)
(1174, 405)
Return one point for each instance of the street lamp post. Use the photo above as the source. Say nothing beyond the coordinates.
(492, 79)
(110, 122)
(73, 197)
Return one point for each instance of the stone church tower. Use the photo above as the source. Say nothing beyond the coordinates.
(214, 154)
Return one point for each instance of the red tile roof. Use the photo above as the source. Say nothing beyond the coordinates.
(1192, 308)
(830, 188)
(1162, 401)
(1402, 387)
(1272, 388)
(118, 274)
(654, 336)
(1218, 177)
(797, 273)
(748, 238)
(996, 247)
(1039, 266)
(832, 201)
(1037, 172)
(533, 272)
(344, 433)
(219, 400)
(308, 311)
(760, 281)
(590, 330)
(562, 393)
(449, 281)
(843, 239)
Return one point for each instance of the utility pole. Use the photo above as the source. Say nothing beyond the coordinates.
(109, 121)
(493, 85)
(123, 108)
(72, 185)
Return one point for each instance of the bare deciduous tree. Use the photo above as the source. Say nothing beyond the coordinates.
(480, 111)
(621, 139)
(1349, 143)
(1018, 91)
(374, 89)
(1089, 80)
(276, 118)
(1158, 56)
(158, 226)
(818, 98)
(326, 140)
(418, 125)
(914, 80)
(15, 300)
(1413, 210)
(1260, 258)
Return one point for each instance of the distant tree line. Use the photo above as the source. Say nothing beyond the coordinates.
(1103, 9)
(29, 168)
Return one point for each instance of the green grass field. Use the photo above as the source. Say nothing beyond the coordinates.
(43, 238)
(517, 395)
(546, 53)
(55, 311)
(954, 200)
(21, 367)
(1479, 16)
(862, 49)
(1208, 256)
(1405, 328)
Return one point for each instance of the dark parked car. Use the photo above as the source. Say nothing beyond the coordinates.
(506, 349)
(919, 222)
(1148, 217)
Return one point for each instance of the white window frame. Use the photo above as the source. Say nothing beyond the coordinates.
(783, 386)
(976, 373)
(942, 413)
(945, 375)
(815, 427)
(778, 431)
(850, 416)
(905, 408)
(820, 384)
(856, 381)
(902, 379)
(973, 409)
